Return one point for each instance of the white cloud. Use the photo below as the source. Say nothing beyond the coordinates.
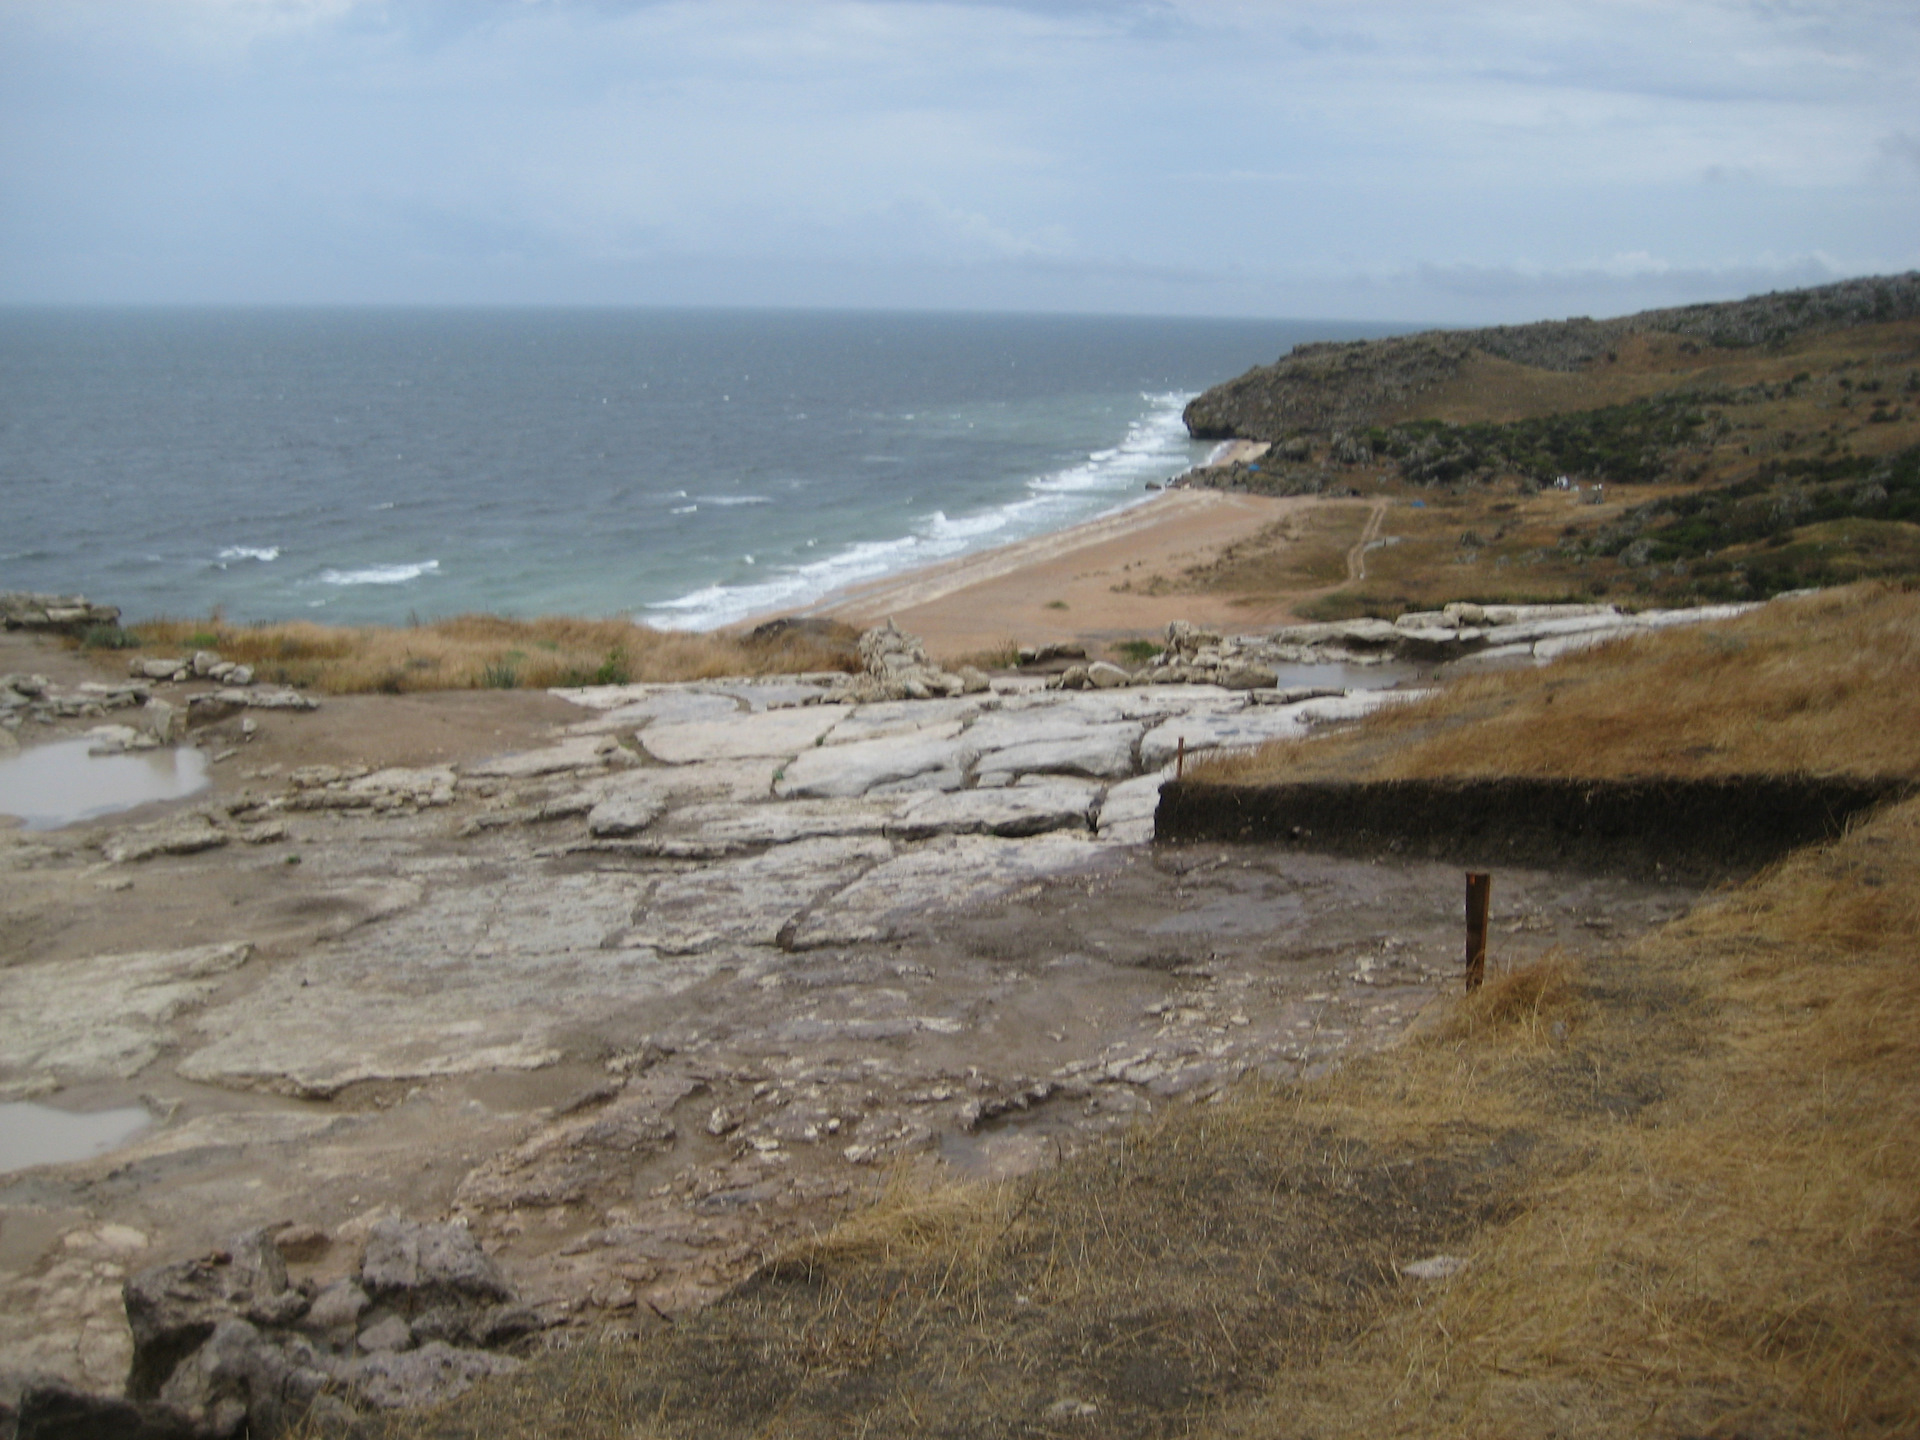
(1210, 149)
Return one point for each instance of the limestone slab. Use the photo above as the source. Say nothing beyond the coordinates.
(844, 771)
(106, 1016)
(943, 876)
(748, 901)
(483, 974)
(1014, 810)
(666, 704)
(779, 823)
(579, 752)
(906, 717)
(770, 733)
(1100, 751)
(1126, 815)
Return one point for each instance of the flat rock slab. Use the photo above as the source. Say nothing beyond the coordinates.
(476, 977)
(735, 780)
(773, 693)
(667, 705)
(1014, 810)
(580, 752)
(772, 734)
(626, 814)
(907, 717)
(844, 771)
(748, 901)
(727, 826)
(1098, 751)
(103, 1018)
(188, 835)
(913, 890)
(1103, 707)
(1126, 815)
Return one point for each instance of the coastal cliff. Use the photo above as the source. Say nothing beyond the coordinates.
(1322, 388)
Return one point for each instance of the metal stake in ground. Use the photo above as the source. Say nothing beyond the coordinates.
(1479, 894)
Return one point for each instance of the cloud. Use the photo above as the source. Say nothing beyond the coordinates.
(1216, 153)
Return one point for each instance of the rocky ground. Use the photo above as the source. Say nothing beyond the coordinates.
(637, 983)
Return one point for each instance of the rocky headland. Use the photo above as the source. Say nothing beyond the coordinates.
(1329, 388)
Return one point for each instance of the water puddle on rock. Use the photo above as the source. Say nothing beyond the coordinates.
(1334, 676)
(54, 785)
(32, 1134)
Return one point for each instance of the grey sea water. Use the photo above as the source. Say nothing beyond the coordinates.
(689, 468)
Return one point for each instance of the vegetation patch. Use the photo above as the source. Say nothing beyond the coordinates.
(474, 652)
(1821, 685)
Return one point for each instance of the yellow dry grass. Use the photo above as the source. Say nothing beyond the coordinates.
(1740, 1257)
(1827, 684)
(469, 652)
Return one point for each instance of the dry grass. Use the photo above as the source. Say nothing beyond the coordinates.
(1741, 1257)
(1824, 685)
(470, 652)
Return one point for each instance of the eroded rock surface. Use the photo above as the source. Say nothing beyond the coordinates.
(634, 1000)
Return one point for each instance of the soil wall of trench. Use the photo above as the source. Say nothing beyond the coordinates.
(1692, 830)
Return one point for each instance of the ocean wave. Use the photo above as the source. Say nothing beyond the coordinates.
(1155, 446)
(734, 499)
(379, 574)
(262, 553)
(715, 605)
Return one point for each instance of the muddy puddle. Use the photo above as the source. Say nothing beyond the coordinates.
(33, 1134)
(1383, 676)
(60, 784)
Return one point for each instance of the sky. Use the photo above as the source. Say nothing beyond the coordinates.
(1370, 160)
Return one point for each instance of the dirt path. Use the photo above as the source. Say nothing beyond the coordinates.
(1357, 556)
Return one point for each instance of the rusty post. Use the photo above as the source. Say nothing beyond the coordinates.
(1479, 894)
(1180, 759)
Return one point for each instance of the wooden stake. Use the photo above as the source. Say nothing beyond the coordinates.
(1180, 759)
(1479, 894)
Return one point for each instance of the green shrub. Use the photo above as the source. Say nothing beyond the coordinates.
(109, 637)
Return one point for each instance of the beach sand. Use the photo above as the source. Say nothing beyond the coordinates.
(1061, 586)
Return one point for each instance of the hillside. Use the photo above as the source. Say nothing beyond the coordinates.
(1712, 452)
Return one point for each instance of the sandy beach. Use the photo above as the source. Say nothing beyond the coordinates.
(1062, 586)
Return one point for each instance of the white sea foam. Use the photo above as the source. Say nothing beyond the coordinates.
(262, 553)
(1155, 447)
(734, 499)
(379, 574)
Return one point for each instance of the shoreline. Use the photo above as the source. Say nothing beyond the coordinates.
(1061, 586)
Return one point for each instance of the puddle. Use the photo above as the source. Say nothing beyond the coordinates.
(54, 785)
(1351, 677)
(33, 1134)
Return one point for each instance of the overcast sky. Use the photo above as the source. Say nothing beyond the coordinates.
(1396, 161)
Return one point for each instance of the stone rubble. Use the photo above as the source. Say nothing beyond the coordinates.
(225, 1344)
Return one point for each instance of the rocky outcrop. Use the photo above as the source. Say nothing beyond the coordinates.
(225, 1343)
(1461, 631)
(897, 668)
(58, 614)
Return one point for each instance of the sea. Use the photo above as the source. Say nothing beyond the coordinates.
(688, 468)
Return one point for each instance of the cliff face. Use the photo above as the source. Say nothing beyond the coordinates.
(1321, 388)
